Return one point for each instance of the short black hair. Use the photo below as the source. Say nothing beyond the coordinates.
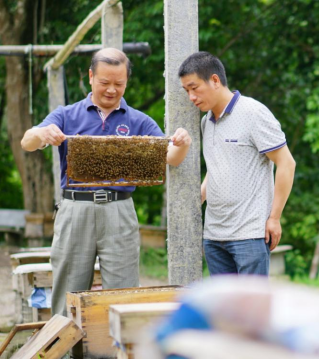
(120, 59)
(203, 64)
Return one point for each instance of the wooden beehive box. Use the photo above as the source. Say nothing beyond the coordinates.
(35, 257)
(116, 160)
(52, 341)
(90, 311)
(126, 320)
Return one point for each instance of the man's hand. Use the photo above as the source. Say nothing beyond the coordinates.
(204, 189)
(181, 138)
(273, 232)
(51, 135)
(181, 141)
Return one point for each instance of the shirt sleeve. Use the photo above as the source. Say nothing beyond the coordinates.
(266, 131)
(203, 124)
(55, 117)
(151, 128)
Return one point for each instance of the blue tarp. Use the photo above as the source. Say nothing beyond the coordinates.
(40, 298)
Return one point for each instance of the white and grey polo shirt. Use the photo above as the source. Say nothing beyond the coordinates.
(240, 176)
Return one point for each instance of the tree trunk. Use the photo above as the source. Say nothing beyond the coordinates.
(15, 28)
(36, 181)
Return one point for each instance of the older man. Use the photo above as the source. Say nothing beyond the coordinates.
(85, 229)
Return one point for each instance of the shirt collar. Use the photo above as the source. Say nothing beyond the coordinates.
(229, 108)
(88, 103)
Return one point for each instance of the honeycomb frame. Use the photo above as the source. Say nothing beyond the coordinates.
(99, 161)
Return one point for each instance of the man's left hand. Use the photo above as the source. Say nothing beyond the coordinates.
(181, 138)
(273, 232)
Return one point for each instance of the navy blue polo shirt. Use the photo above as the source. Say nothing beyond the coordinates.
(82, 118)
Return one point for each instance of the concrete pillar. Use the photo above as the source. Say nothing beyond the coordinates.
(112, 25)
(56, 98)
(183, 182)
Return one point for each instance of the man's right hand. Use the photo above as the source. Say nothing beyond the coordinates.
(37, 138)
(51, 135)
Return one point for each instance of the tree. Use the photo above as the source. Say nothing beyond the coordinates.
(269, 47)
(15, 18)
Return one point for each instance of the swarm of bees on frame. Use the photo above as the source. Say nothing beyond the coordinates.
(139, 159)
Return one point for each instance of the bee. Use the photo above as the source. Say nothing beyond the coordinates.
(139, 160)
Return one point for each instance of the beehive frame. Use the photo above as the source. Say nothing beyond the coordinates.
(101, 161)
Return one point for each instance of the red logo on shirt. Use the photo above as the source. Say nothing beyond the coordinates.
(123, 130)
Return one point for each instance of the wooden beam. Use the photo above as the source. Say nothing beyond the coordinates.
(76, 37)
(141, 48)
(17, 328)
(112, 25)
(183, 182)
(56, 98)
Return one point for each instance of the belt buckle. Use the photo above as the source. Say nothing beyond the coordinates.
(102, 196)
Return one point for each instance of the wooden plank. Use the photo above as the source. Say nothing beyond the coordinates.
(17, 328)
(153, 236)
(41, 314)
(13, 219)
(29, 258)
(52, 341)
(112, 24)
(42, 279)
(128, 319)
(97, 280)
(90, 311)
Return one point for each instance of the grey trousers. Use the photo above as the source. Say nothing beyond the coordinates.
(84, 230)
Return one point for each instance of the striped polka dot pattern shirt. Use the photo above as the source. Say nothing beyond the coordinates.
(240, 184)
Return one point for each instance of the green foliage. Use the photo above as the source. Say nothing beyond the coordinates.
(306, 281)
(270, 49)
(154, 262)
(311, 134)
(10, 182)
(295, 264)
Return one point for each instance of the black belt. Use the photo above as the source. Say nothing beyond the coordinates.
(100, 196)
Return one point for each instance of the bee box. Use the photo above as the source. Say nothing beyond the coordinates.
(90, 311)
(53, 341)
(116, 160)
(35, 257)
(128, 320)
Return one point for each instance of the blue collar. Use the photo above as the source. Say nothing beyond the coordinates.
(230, 106)
(89, 103)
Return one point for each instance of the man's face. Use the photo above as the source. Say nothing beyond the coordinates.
(200, 92)
(108, 85)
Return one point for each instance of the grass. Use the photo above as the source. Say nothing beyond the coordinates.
(154, 263)
(306, 280)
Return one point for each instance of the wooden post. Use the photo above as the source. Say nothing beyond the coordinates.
(56, 98)
(183, 182)
(112, 25)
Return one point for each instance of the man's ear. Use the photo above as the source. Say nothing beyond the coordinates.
(216, 80)
(90, 76)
